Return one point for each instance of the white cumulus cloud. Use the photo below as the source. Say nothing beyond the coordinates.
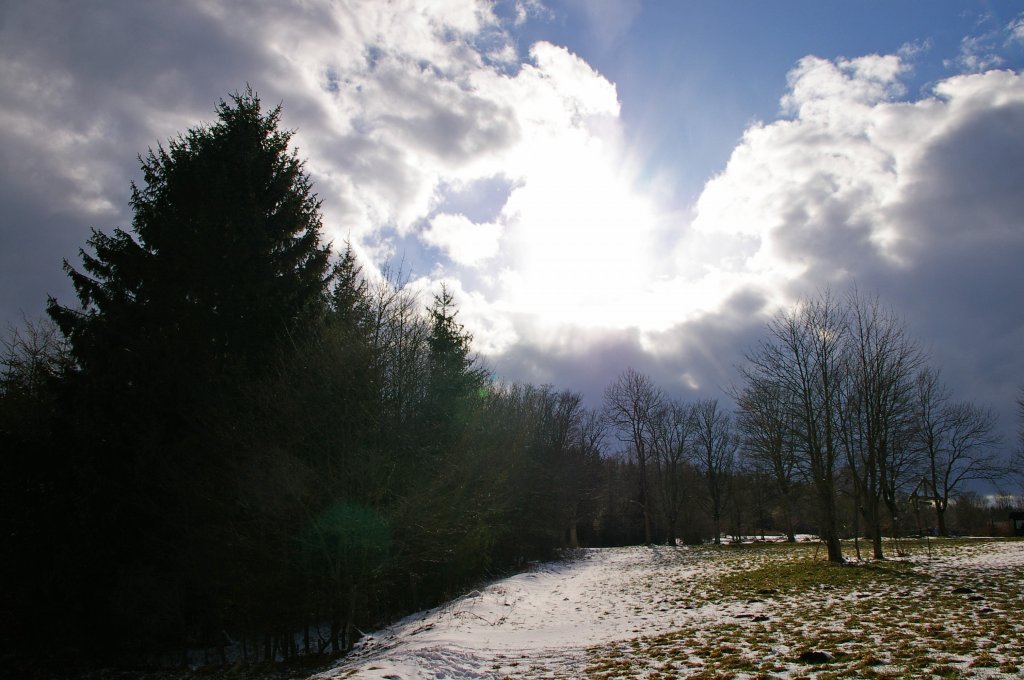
(507, 170)
(464, 241)
(918, 200)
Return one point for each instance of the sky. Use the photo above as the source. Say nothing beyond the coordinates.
(602, 184)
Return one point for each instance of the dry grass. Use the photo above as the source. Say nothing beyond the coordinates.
(790, 613)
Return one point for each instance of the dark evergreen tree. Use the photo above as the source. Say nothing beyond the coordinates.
(350, 297)
(455, 379)
(181, 320)
(224, 259)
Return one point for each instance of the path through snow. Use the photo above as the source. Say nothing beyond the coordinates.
(655, 612)
(541, 623)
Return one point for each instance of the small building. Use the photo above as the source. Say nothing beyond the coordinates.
(922, 501)
(1017, 520)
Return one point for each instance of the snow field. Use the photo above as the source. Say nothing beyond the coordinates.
(661, 612)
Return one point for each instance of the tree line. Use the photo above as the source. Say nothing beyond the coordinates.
(234, 438)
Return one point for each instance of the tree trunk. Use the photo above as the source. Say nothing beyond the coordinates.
(643, 506)
(835, 548)
(856, 527)
(790, 529)
(350, 623)
(876, 546)
(829, 523)
(940, 518)
(876, 530)
(335, 629)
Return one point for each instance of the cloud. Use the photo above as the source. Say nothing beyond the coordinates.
(399, 108)
(840, 89)
(917, 201)
(464, 241)
(977, 53)
(523, 10)
(830, 194)
(556, 246)
(512, 177)
(981, 52)
(82, 91)
(1016, 29)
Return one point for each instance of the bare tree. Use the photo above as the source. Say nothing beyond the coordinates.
(750, 489)
(957, 441)
(591, 432)
(1018, 456)
(398, 334)
(674, 432)
(804, 357)
(586, 441)
(877, 405)
(32, 355)
(574, 439)
(630, 404)
(1020, 418)
(765, 425)
(714, 453)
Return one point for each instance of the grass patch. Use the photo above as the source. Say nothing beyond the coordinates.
(984, 660)
(899, 618)
(801, 575)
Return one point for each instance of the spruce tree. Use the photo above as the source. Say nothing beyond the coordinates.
(183, 321)
(223, 259)
(454, 379)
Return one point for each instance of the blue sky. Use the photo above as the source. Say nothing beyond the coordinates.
(693, 75)
(602, 184)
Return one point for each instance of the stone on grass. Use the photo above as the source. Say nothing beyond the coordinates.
(815, 656)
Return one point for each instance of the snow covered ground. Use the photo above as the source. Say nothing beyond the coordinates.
(664, 612)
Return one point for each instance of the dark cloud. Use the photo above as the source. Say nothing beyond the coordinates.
(919, 202)
(117, 63)
(824, 232)
(86, 88)
(693, 360)
(582, 362)
(968, 188)
(443, 121)
(964, 289)
(32, 245)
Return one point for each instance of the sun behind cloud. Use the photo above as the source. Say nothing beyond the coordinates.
(579, 239)
(574, 238)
